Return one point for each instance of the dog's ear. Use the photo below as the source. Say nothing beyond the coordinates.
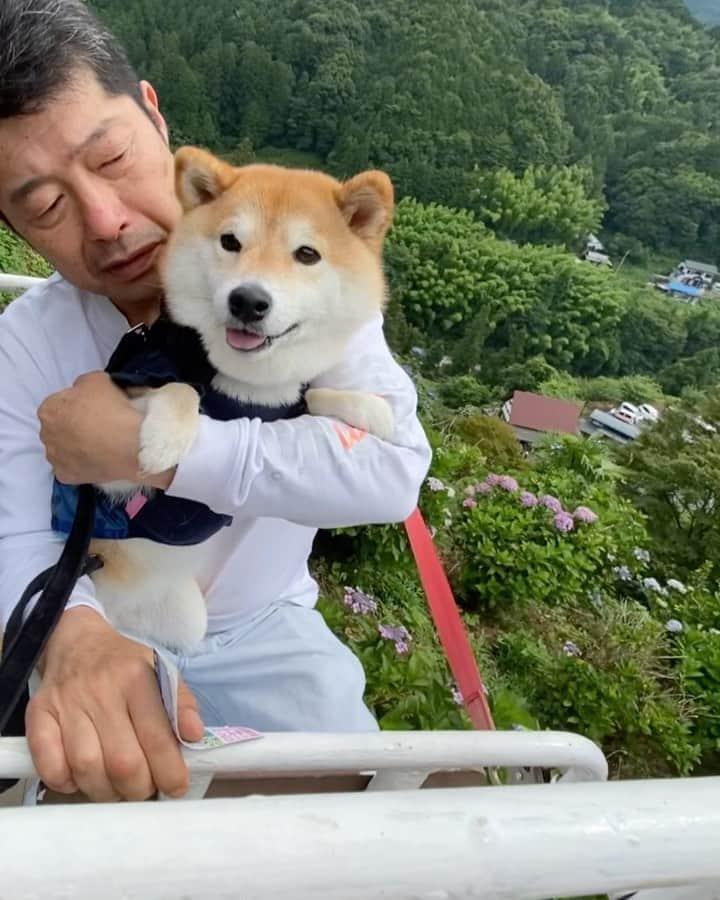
(366, 201)
(200, 177)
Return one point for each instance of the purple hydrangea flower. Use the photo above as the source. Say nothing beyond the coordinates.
(623, 573)
(586, 515)
(468, 503)
(528, 499)
(571, 649)
(435, 484)
(563, 521)
(493, 479)
(483, 489)
(641, 554)
(457, 696)
(359, 602)
(673, 626)
(551, 502)
(397, 633)
(652, 584)
(508, 483)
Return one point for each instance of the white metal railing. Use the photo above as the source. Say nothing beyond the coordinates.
(524, 842)
(17, 282)
(399, 759)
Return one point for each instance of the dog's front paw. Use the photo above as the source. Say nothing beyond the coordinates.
(369, 412)
(168, 428)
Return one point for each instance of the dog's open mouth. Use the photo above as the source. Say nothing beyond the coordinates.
(248, 341)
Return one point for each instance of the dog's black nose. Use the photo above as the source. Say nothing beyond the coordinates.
(250, 303)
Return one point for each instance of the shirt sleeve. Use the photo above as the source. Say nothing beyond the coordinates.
(315, 471)
(27, 543)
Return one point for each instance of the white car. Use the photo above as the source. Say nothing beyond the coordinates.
(598, 259)
(648, 413)
(627, 412)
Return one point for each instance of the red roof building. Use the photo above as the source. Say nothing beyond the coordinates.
(532, 416)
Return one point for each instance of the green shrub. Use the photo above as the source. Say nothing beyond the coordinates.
(603, 673)
(493, 437)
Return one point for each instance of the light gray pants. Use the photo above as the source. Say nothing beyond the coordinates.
(281, 670)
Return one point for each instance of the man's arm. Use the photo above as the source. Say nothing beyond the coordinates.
(315, 471)
(97, 722)
(27, 543)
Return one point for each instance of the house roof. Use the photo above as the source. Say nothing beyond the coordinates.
(696, 266)
(540, 413)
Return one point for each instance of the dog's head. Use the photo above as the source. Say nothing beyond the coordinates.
(275, 268)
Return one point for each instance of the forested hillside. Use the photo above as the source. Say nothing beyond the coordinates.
(628, 91)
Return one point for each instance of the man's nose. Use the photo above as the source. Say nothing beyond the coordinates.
(105, 216)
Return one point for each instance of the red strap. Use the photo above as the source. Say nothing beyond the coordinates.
(449, 625)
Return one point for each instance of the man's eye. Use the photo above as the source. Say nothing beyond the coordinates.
(49, 209)
(115, 159)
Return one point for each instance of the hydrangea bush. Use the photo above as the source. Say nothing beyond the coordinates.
(573, 624)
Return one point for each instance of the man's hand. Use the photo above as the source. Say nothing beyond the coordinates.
(91, 434)
(97, 723)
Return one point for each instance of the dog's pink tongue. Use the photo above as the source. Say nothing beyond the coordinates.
(244, 340)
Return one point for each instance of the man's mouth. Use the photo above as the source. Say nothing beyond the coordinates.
(133, 266)
(249, 341)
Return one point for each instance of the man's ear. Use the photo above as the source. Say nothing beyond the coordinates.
(366, 202)
(152, 108)
(200, 177)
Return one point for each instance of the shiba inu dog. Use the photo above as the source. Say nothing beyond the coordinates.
(275, 269)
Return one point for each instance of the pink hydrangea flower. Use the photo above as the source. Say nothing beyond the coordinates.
(359, 602)
(508, 483)
(483, 489)
(563, 521)
(551, 502)
(397, 633)
(586, 515)
(493, 479)
(468, 503)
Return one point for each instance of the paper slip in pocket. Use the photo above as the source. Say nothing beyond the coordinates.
(216, 736)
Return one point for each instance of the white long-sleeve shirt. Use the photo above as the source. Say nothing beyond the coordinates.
(279, 480)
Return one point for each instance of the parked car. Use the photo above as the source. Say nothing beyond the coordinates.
(648, 413)
(627, 412)
(597, 259)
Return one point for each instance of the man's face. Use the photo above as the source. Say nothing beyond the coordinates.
(89, 182)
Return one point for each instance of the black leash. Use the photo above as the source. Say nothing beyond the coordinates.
(23, 644)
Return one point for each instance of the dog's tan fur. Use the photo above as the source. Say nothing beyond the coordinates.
(149, 589)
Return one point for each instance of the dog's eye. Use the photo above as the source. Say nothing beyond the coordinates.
(230, 243)
(308, 256)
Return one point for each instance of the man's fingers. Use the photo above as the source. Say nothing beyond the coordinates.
(126, 767)
(189, 721)
(47, 749)
(85, 757)
(158, 743)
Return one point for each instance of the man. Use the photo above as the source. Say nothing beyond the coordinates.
(86, 177)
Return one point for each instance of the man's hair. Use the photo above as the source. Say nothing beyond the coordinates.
(45, 43)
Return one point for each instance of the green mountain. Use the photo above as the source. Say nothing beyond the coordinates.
(626, 90)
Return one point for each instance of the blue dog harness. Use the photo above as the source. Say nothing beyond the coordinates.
(152, 357)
